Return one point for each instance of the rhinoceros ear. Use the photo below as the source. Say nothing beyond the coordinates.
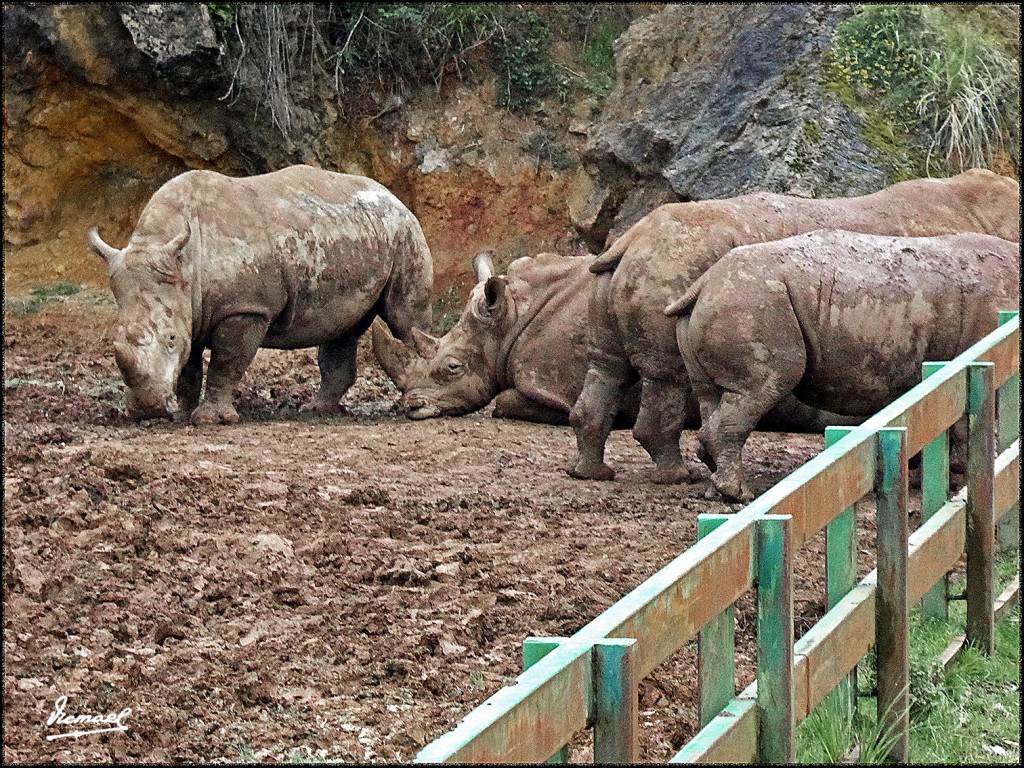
(495, 301)
(174, 247)
(393, 354)
(167, 262)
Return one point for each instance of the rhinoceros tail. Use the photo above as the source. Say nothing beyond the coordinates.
(683, 305)
(610, 259)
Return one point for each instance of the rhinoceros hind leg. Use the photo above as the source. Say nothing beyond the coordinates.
(233, 345)
(337, 362)
(659, 424)
(731, 423)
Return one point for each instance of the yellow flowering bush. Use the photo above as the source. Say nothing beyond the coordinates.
(932, 76)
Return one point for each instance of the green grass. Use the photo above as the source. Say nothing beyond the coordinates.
(971, 715)
(939, 81)
(40, 294)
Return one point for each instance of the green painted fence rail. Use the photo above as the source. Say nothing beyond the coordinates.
(590, 679)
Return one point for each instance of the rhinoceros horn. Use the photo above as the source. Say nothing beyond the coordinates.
(394, 355)
(484, 265)
(425, 344)
(110, 254)
(125, 362)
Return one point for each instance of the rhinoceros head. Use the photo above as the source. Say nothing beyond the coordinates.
(461, 371)
(154, 320)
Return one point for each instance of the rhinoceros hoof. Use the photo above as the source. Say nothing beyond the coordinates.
(211, 414)
(585, 470)
(730, 490)
(324, 407)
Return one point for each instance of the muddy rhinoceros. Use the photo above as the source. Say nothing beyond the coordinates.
(842, 320)
(661, 256)
(296, 258)
(521, 342)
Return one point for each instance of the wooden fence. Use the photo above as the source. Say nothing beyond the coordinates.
(590, 679)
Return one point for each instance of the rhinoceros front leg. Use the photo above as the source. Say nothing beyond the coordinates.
(604, 389)
(337, 362)
(659, 424)
(233, 345)
(190, 383)
(591, 418)
(513, 404)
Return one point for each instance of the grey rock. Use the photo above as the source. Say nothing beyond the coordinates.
(717, 101)
(180, 41)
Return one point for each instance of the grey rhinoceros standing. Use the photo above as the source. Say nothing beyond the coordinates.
(661, 256)
(297, 258)
(841, 319)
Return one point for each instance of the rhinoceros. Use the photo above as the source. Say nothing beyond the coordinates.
(296, 258)
(842, 320)
(521, 342)
(661, 256)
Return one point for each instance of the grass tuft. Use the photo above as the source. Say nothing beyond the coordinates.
(934, 76)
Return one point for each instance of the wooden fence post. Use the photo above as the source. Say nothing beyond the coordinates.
(892, 609)
(716, 649)
(841, 575)
(980, 507)
(535, 649)
(614, 697)
(776, 730)
(935, 493)
(1008, 413)
(615, 703)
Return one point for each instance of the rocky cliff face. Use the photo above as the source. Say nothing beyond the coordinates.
(105, 102)
(93, 124)
(715, 101)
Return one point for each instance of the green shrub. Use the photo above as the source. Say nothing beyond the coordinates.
(59, 288)
(524, 61)
(942, 83)
(222, 15)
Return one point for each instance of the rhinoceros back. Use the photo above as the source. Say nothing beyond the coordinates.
(313, 250)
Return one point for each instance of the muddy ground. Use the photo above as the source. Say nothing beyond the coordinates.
(342, 589)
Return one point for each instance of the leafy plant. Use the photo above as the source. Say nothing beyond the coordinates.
(59, 288)
(40, 294)
(544, 145)
(875, 739)
(598, 50)
(524, 61)
(934, 78)
(222, 15)
(826, 736)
